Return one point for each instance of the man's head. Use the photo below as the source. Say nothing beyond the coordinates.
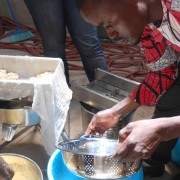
(120, 18)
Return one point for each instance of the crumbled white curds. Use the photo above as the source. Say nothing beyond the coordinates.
(14, 76)
(43, 76)
(8, 76)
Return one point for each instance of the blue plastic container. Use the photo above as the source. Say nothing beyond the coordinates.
(176, 153)
(57, 170)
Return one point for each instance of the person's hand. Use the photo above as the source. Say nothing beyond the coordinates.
(102, 121)
(108, 118)
(138, 140)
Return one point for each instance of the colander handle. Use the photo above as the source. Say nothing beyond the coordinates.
(64, 135)
(91, 136)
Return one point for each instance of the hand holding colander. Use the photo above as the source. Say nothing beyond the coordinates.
(92, 157)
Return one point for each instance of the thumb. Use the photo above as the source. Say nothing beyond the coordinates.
(124, 133)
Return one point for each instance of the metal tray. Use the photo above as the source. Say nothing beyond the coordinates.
(105, 91)
(24, 168)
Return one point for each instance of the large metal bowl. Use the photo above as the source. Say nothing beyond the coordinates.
(93, 158)
(24, 168)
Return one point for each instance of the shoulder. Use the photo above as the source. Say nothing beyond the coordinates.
(172, 4)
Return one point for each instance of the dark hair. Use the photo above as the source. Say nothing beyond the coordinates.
(79, 3)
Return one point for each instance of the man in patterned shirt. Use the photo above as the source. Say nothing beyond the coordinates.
(155, 24)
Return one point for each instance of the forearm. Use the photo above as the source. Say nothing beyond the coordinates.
(125, 106)
(168, 128)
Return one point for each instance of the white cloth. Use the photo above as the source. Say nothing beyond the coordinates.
(51, 96)
(51, 102)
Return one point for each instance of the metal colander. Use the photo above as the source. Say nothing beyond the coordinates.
(93, 158)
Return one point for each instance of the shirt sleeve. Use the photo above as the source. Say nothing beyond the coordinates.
(162, 65)
(153, 86)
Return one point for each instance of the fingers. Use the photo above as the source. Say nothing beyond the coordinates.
(95, 127)
(91, 127)
(124, 133)
(121, 151)
(126, 148)
(94, 130)
(130, 151)
(127, 152)
(89, 130)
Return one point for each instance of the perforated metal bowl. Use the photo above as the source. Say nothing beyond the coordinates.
(93, 158)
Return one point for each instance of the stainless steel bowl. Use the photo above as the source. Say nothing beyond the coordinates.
(93, 158)
(24, 168)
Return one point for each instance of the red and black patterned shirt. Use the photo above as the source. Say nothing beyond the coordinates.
(161, 45)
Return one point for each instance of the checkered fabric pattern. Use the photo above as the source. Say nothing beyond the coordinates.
(161, 45)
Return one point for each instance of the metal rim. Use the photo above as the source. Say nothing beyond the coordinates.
(24, 157)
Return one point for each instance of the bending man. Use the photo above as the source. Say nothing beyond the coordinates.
(156, 25)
